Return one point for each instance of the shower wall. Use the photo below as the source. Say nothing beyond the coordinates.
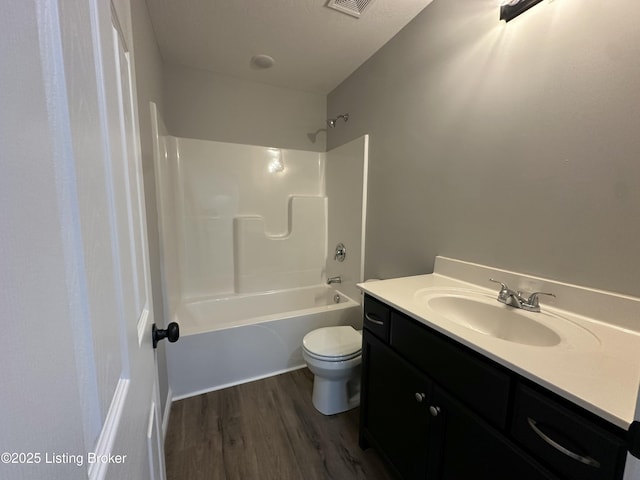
(346, 190)
(247, 218)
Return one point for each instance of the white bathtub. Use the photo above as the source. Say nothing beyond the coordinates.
(233, 340)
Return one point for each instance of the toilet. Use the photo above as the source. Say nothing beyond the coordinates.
(334, 355)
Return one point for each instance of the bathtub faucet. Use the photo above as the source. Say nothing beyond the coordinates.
(331, 280)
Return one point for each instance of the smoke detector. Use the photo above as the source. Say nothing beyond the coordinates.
(355, 8)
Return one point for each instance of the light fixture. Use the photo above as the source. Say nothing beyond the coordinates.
(510, 9)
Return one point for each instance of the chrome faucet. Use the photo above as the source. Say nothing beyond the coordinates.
(331, 280)
(516, 299)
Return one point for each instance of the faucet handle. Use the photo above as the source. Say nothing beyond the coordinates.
(533, 298)
(504, 289)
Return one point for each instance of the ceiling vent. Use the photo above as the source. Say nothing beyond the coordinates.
(355, 8)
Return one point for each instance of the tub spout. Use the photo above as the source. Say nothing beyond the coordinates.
(331, 280)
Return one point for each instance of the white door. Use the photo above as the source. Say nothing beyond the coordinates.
(79, 392)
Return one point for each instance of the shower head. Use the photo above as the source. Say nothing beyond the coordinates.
(332, 121)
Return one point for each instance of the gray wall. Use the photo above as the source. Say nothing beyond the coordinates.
(209, 106)
(148, 65)
(514, 145)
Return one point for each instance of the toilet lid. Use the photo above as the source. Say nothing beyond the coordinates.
(333, 342)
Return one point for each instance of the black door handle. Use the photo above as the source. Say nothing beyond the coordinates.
(172, 333)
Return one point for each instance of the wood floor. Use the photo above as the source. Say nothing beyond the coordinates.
(265, 430)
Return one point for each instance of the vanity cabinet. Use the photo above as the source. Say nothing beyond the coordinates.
(435, 409)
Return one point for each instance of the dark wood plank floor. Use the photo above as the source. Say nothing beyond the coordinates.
(265, 430)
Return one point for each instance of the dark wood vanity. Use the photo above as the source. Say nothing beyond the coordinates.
(436, 409)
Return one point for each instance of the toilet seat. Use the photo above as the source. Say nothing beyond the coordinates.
(333, 344)
(326, 358)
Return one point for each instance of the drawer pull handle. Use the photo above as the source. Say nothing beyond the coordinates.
(372, 319)
(586, 460)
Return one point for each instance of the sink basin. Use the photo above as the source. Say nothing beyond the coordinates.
(484, 314)
(496, 320)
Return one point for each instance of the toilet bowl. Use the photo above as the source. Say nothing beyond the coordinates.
(333, 354)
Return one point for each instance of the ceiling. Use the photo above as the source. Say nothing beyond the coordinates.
(314, 47)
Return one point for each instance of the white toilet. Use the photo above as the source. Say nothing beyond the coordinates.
(334, 355)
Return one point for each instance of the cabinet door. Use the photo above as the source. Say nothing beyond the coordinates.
(394, 408)
(463, 446)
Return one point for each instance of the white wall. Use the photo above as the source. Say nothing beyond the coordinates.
(210, 106)
(513, 145)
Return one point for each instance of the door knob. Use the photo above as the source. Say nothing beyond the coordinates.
(419, 397)
(171, 333)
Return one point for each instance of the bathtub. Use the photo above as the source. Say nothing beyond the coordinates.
(240, 338)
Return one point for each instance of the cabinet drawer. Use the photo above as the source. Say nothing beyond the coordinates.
(484, 388)
(376, 318)
(564, 440)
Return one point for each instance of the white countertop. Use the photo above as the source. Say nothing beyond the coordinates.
(599, 371)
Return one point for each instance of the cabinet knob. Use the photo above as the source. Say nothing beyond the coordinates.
(434, 411)
(420, 397)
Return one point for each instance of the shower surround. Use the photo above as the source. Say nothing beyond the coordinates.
(244, 226)
(252, 218)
